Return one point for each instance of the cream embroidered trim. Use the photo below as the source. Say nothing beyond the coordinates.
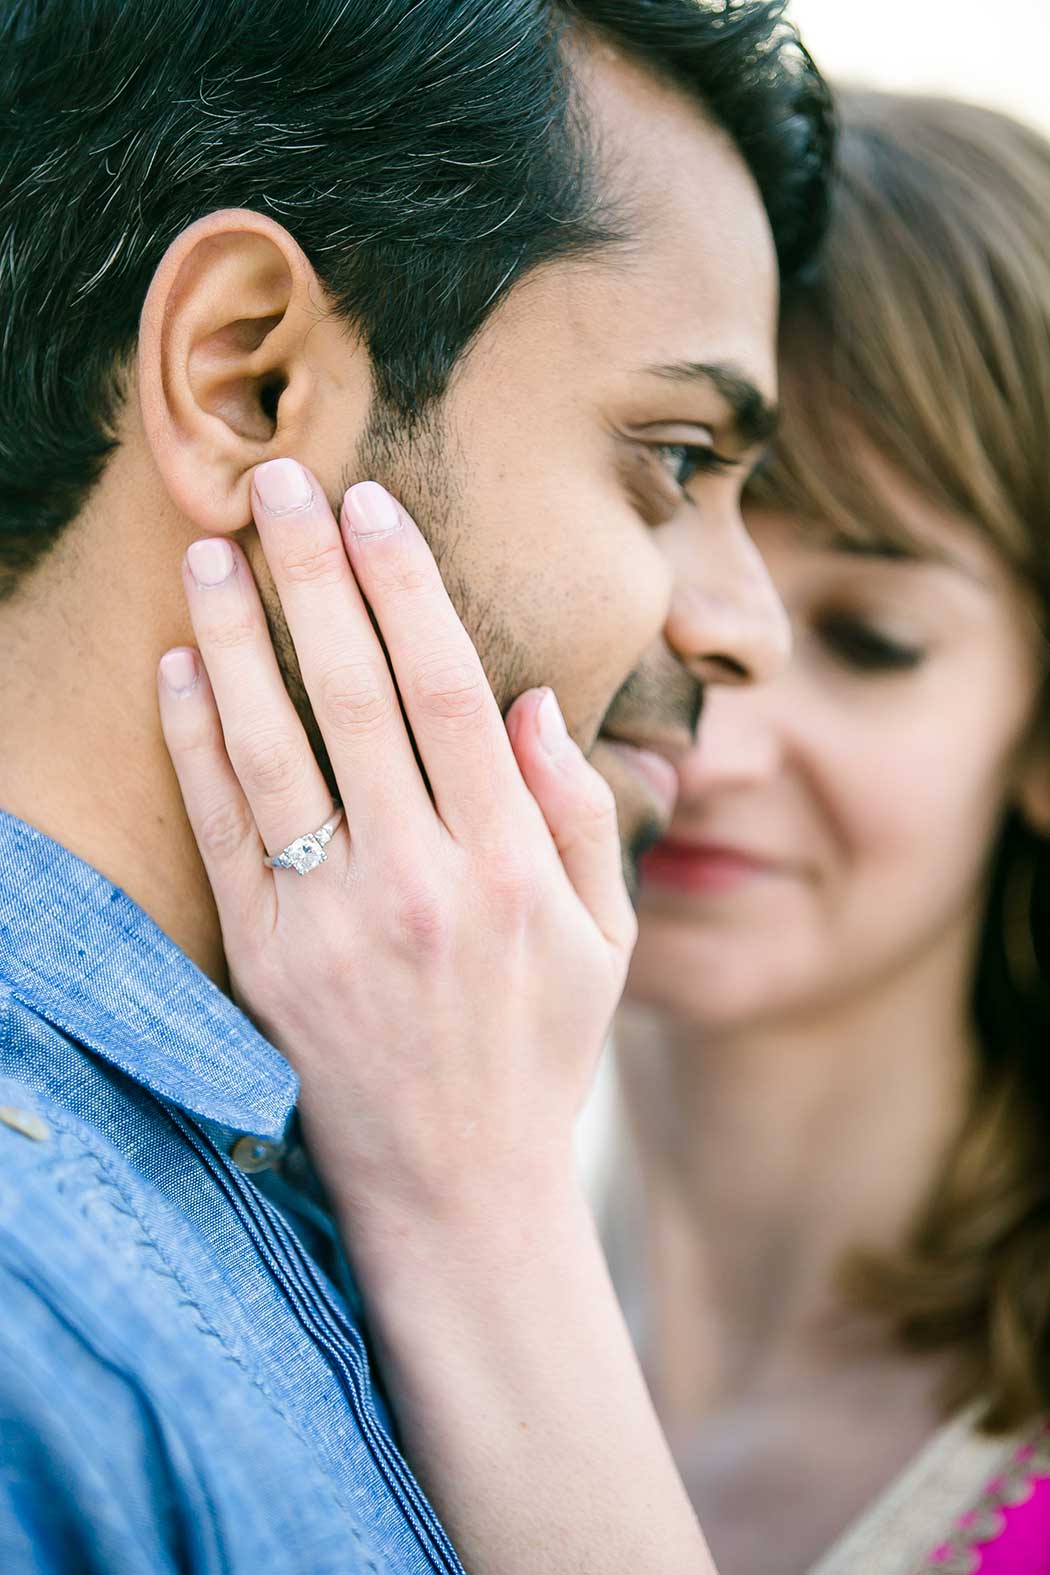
(943, 1481)
(960, 1553)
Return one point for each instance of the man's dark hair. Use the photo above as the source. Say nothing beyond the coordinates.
(425, 154)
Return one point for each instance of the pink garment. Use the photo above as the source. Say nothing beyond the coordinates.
(1008, 1531)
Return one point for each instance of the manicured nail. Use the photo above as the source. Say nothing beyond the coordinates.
(370, 510)
(180, 671)
(210, 562)
(283, 486)
(551, 724)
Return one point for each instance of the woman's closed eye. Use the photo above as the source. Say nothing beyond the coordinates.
(861, 645)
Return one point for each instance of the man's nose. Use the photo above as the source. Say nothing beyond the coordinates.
(726, 622)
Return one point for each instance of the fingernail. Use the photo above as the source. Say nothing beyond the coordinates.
(210, 562)
(179, 671)
(370, 510)
(283, 486)
(513, 724)
(550, 723)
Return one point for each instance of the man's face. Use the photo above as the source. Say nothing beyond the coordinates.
(582, 547)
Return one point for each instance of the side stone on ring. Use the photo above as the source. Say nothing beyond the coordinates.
(306, 853)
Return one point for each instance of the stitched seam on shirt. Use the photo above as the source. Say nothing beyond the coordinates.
(158, 1263)
(63, 1175)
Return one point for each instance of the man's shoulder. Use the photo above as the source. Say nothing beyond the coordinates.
(134, 1417)
(108, 1214)
(55, 1269)
(127, 1432)
(68, 1214)
(166, 1348)
(76, 1330)
(80, 1223)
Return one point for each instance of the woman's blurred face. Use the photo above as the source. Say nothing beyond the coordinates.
(835, 825)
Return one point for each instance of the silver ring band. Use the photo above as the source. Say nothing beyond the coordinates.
(306, 853)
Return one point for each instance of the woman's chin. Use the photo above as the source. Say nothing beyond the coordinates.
(709, 1009)
(715, 982)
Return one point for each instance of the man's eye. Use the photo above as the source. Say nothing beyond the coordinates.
(683, 461)
(866, 649)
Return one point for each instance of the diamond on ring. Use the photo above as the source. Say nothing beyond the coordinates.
(306, 853)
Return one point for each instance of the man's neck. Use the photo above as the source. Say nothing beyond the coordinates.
(83, 756)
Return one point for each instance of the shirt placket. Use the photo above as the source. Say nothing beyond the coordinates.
(322, 1320)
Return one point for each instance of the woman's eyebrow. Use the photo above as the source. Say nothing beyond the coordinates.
(894, 551)
(755, 418)
(885, 551)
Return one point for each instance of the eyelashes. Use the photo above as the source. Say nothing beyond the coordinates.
(657, 475)
(662, 473)
(862, 647)
(683, 461)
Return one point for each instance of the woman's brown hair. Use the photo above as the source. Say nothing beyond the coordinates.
(926, 330)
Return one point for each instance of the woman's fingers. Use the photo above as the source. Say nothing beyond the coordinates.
(242, 753)
(222, 821)
(341, 659)
(265, 741)
(579, 809)
(422, 664)
(449, 703)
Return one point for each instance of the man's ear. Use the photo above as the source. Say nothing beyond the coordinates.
(225, 380)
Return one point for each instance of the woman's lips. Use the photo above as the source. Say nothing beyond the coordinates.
(698, 867)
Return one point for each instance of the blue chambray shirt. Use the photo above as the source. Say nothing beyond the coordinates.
(184, 1386)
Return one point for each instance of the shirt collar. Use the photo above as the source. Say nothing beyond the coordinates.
(79, 953)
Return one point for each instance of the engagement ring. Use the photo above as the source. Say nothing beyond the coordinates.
(306, 853)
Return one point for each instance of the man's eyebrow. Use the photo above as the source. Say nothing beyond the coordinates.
(754, 418)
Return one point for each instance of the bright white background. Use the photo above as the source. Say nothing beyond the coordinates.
(995, 51)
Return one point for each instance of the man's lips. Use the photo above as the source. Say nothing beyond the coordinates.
(702, 866)
(644, 759)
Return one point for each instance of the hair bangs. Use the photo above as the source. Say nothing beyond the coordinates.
(922, 337)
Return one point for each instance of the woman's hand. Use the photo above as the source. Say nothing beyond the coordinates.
(443, 985)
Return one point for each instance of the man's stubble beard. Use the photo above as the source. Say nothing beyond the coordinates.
(418, 467)
(659, 696)
(424, 468)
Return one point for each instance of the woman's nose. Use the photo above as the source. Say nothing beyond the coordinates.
(726, 622)
(738, 744)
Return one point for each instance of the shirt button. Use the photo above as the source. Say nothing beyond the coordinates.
(26, 1122)
(253, 1153)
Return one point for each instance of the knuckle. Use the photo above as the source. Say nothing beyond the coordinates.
(399, 571)
(451, 691)
(406, 579)
(267, 764)
(355, 698)
(420, 921)
(331, 964)
(599, 803)
(196, 733)
(230, 634)
(627, 928)
(316, 563)
(223, 829)
(514, 890)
